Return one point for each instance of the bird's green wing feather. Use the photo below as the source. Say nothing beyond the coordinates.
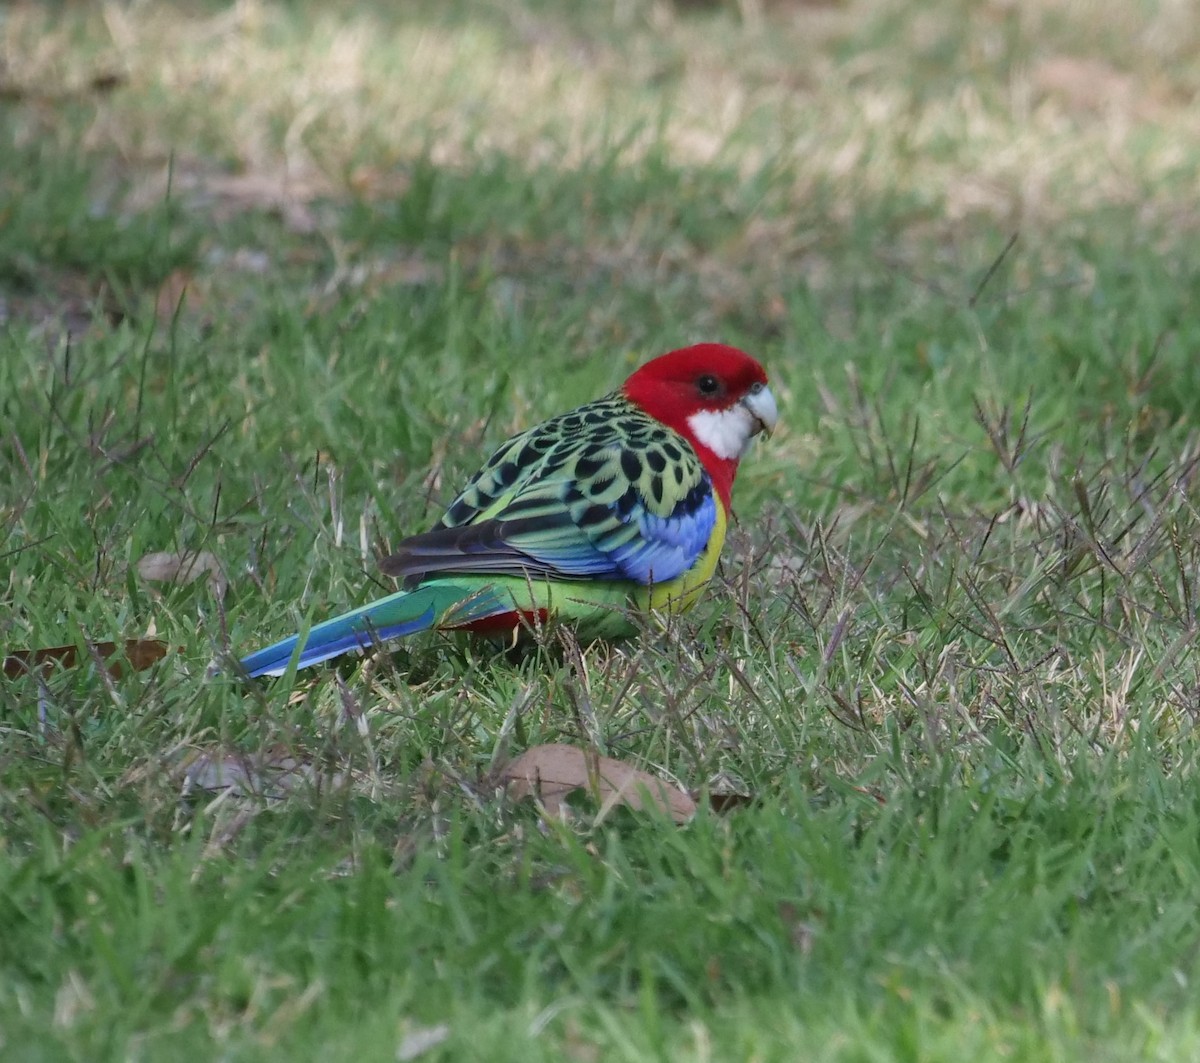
(602, 492)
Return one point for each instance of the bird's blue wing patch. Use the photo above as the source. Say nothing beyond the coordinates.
(667, 546)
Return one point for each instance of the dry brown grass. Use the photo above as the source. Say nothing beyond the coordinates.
(1019, 112)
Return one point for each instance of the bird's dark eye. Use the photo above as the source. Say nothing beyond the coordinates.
(708, 385)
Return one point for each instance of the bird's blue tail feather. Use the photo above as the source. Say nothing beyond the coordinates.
(395, 616)
(328, 640)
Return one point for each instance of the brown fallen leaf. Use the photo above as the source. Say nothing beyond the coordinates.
(551, 772)
(140, 654)
(183, 567)
(1084, 84)
(101, 83)
(420, 1039)
(176, 287)
(873, 794)
(272, 774)
(725, 792)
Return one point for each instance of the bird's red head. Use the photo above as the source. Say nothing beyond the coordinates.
(713, 395)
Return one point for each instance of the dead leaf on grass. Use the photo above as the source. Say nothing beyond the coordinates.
(100, 83)
(551, 772)
(725, 793)
(420, 1039)
(289, 196)
(177, 290)
(272, 774)
(61, 303)
(184, 567)
(1085, 84)
(285, 193)
(139, 653)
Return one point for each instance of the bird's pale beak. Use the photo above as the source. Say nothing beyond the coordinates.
(761, 404)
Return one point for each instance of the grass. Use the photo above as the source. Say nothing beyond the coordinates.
(274, 277)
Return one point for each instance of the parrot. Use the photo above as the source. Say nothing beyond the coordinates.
(614, 509)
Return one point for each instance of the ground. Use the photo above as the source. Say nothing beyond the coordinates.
(274, 277)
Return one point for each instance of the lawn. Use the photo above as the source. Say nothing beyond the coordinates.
(274, 277)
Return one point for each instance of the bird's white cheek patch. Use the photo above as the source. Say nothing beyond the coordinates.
(726, 433)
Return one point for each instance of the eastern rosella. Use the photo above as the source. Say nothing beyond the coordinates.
(613, 508)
